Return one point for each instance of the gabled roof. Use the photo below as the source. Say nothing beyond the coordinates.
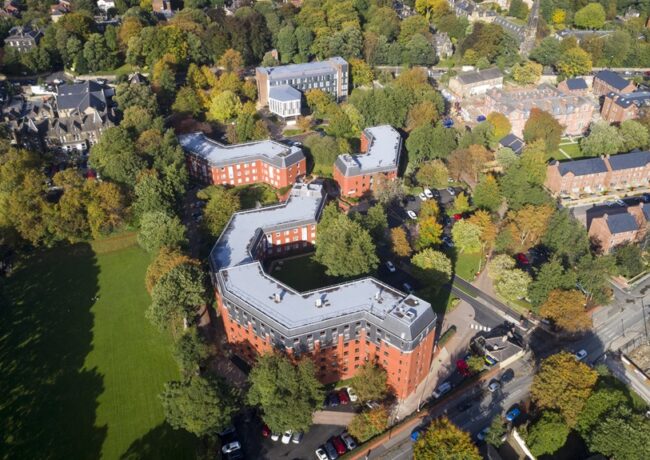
(637, 98)
(575, 84)
(629, 160)
(621, 223)
(583, 167)
(477, 76)
(82, 96)
(513, 142)
(612, 79)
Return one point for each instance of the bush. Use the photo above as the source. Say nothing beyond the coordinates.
(447, 335)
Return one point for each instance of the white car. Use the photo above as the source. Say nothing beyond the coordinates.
(422, 196)
(451, 191)
(390, 266)
(580, 355)
(231, 447)
(428, 193)
(352, 394)
(286, 437)
(321, 454)
(411, 214)
(494, 386)
(349, 442)
(275, 436)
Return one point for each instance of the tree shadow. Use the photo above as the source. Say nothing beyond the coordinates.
(159, 443)
(49, 402)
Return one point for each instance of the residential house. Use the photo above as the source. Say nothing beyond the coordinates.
(444, 47)
(515, 143)
(476, 82)
(620, 107)
(577, 86)
(607, 81)
(60, 9)
(162, 8)
(581, 35)
(609, 226)
(23, 38)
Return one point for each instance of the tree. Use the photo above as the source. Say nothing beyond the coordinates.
(593, 276)
(563, 384)
(231, 61)
(443, 441)
(496, 432)
(500, 123)
(487, 194)
(97, 54)
(527, 73)
(468, 162)
(287, 394)
(221, 205)
(127, 95)
(573, 62)
(323, 150)
(423, 113)
(629, 260)
(548, 434)
(375, 221)
(287, 44)
(513, 284)
(506, 157)
(187, 101)
(429, 232)
(621, 435)
(467, 236)
(551, 276)
(344, 247)
(361, 73)
(547, 52)
(166, 259)
(418, 51)
(529, 224)
(158, 229)
(518, 9)
(202, 405)
(603, 139)
(542, 125)
(591, 16)
(483, 220)
(432, 266)
(567, 310)
(388, 191)
(152, 194)
(370, 423)
(533, 162)
(425, 143)
(634, 134)
(114, 157)
(191, 350)
(566, 237)
(433, 174)
(476, 363)
(400, 243)
(370, 382)
(224, 106)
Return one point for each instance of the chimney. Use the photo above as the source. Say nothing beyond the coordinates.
(605, 216)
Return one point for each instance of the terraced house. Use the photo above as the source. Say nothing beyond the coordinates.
(266, 162)
(339, 327)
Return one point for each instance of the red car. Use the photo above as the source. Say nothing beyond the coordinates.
(266, 431)
(344, 398)
(458, 217)
(522, 259)
(463, 368)
(338, 445)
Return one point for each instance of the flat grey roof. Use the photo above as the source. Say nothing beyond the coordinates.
(302, 70)
(218, 154)
(284, 93)
(382, 155)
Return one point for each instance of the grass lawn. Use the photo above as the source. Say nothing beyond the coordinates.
(80, 366)
(467, 265)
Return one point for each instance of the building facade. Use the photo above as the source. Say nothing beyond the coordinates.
(266, 162)
(597, 175)
(330, 76)
(338, 327)
(357, 174)
(476, 82)
(285, 101)
(444, 46)
(23, 38)
(607, 81)
(620, 107)
(573, 112)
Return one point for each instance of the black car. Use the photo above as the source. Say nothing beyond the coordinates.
(333, 400)
(507, 376)
(331, 450)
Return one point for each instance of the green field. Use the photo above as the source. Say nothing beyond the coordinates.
(467, 265)
(80, 366)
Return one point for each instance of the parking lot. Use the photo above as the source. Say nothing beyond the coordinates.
(398, 212)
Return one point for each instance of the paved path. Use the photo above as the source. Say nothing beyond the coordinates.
(327, 417)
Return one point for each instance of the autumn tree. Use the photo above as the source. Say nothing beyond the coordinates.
(369, 423)
(542, 125)
(370, 382)
(231, 61)
(429, 232)
(166, 259)
(573, 62)
(468, 162)
(400, 245)
(533, 162)
(461, 204)
(467, 236)
(423, 113)
(563, 384)
(432, 173)
(529, 224)
(224, 106)
(501, 124)
(527, 73)
(432, 266)
(483, 220)
(443, 441)
(487, 194)
(361, 73)
(567, 310)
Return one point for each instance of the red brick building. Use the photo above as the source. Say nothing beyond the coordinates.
(356, 174)
(339, 327)
(266, 162)
(607, 81)
(620, 107)
(596, 175)
(616, 226)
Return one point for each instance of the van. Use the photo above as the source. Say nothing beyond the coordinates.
(442, 389)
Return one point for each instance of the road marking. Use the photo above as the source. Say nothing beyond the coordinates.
(480, 327)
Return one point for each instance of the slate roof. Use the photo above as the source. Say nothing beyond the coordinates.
(613, 79)
(637, 98)
(477, 76)
(621, 223)
(583, 167)
(575, 84)
(629, 160)
(384, 147)
(81, 96)
(513, 142)
(284, 93)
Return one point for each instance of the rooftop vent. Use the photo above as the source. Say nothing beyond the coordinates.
(319, 302)
(378, 296)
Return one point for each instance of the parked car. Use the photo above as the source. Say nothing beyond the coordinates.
(620, 202)
(286, 437)
(297, 437)
(275, 436)
(343, 396)
(422, 196)
(349, 442)
(352, 394)
(231, 447)
(332, 454)
(483, 433)
(415, 435)
(333, 400)
(522, 259)
(390, 266)
(266, 431)
(507, 376)
(457, 217)
(447, 241)
(451, 191)
(442, 389)
(512, 414)
(407, 287)
(428, 193)
(339, 445)
(411, 214)
(321, 454)
(494, 386)
(581, 354)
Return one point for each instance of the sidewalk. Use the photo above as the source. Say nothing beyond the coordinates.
(442, 365)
